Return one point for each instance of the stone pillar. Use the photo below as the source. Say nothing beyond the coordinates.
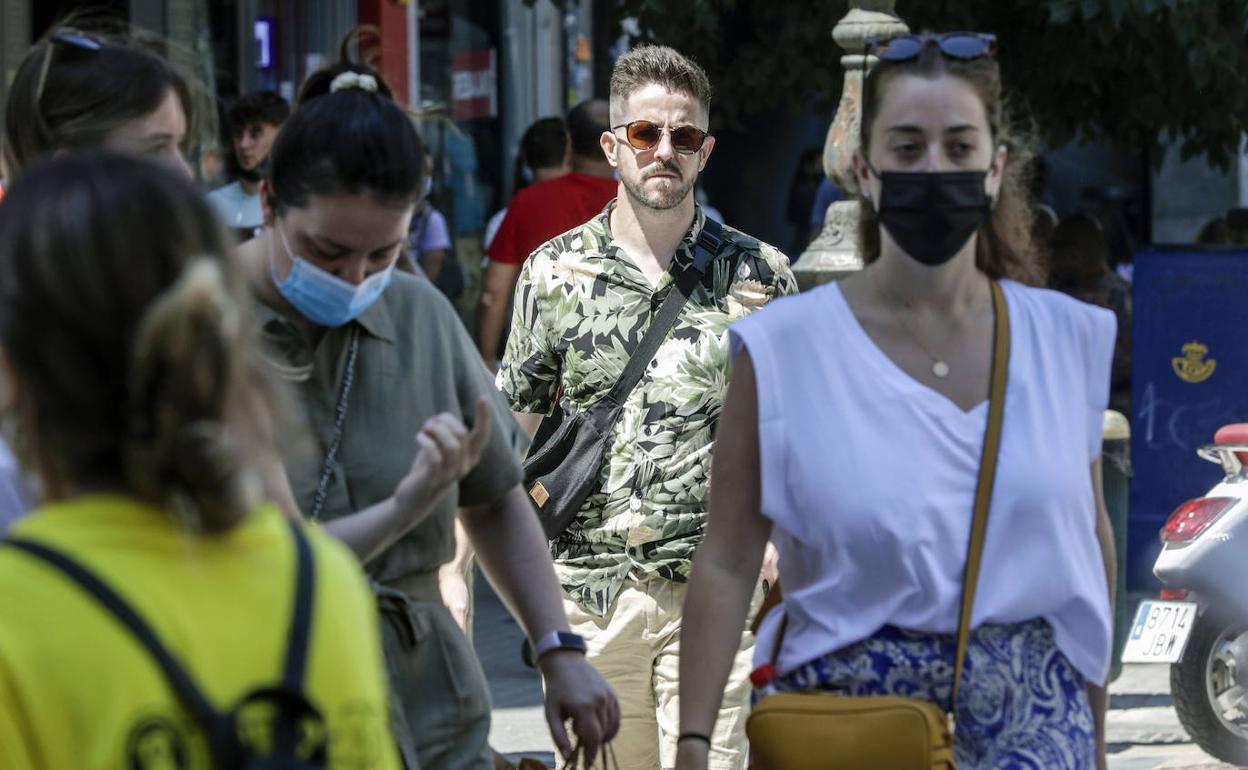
(834, 253)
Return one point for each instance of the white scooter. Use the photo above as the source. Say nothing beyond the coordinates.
(1200, 624)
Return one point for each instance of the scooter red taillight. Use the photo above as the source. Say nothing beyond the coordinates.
(1194, 517)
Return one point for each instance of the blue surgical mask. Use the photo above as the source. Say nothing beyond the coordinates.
(322, 297)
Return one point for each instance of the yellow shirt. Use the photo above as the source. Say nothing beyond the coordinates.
(78, 691)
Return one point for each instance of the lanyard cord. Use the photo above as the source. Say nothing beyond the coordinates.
(340, 417)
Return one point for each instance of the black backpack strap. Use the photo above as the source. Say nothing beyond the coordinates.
(177, 676)
(301, 617)
(709, 242)
(192, 697)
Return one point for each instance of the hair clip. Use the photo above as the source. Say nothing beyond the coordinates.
(350, 79)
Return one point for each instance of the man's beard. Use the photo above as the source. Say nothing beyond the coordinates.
(660, 200)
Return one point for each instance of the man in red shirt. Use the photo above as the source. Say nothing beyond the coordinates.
(541, 212)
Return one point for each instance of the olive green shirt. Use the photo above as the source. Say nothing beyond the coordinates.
(415, 360)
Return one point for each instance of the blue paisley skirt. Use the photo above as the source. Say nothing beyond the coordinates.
(1022, 705)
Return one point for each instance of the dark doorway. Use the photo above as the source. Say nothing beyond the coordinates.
(45, 13)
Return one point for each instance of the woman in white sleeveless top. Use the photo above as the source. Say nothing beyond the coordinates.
(852, 435)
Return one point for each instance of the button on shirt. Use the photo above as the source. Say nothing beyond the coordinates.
(415, 360)
(580, 305)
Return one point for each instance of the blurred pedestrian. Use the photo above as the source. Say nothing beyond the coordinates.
(541, 211)
(86, 90)
(802, 193)
(1080, 267)
(254, 120)
(545, 154)
(76, 90)
(853, 434)
(584, 302)
(373, 355)
(1214, 233)
(131, 369)
(428, 238)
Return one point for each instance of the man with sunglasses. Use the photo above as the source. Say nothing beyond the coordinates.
(583, 302)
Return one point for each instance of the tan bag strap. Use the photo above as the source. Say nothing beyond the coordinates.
(983, 497)
(987, 477)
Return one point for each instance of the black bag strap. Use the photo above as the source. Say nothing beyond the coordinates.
(710, 240)
(189, 693)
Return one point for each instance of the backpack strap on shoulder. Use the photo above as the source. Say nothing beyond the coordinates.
(301, 616)
(190, 695)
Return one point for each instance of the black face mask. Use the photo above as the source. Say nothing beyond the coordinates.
(931, 215)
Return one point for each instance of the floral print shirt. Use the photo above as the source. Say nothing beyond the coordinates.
(581, 304)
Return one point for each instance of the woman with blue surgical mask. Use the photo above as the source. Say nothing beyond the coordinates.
(385, 375)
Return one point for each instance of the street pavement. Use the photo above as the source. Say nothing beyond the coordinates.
(1143, 731)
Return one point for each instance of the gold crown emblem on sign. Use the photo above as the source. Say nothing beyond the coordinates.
(1192, 366)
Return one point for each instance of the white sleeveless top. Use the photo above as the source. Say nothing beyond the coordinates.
(869, 478)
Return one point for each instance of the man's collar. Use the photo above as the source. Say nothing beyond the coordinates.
(686, 243)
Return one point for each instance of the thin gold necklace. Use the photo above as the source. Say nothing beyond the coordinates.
(940, 368)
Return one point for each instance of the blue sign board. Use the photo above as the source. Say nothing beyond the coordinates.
(264, 31)
(1189, 378)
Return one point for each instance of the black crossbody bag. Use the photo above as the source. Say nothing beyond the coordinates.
(564, 461)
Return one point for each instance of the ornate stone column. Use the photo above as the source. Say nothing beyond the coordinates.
(834, 253)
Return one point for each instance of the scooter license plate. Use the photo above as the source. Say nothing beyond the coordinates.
(1160, 632)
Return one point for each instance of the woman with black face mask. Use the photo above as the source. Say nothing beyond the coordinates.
(867, 477)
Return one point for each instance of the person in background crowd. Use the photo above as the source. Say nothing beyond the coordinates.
(869, 495)
(540, 212)
(826, 194)
(1214, 233)
(1079, 267)
(79, 90)
(802, 190)
(254, 120)
(84, 91)
(132, 371)
(545, 154)
(1237, 226)
(374, 354)
(429, 239)
(623, 560)
(704, 200)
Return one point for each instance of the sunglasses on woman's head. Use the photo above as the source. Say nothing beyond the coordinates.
(645, 135)
(67, 37)
(954, 45)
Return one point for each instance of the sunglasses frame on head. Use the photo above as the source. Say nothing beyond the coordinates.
(962, 46)
(68, 37)
(689, 147)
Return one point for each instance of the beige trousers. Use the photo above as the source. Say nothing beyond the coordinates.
(636, 647)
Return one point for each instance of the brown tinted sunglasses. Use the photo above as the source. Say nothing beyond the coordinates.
(644, 135)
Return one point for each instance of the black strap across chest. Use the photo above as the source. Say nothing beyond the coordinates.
(707, 246)
(180, 680)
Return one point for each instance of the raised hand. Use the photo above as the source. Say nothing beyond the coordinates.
(448, 451)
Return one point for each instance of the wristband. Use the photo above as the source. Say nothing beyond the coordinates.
(558, 640)
(695, 737)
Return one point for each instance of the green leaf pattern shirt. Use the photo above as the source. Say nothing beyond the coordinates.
(580, 305)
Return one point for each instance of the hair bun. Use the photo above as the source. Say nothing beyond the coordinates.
(349, 79)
